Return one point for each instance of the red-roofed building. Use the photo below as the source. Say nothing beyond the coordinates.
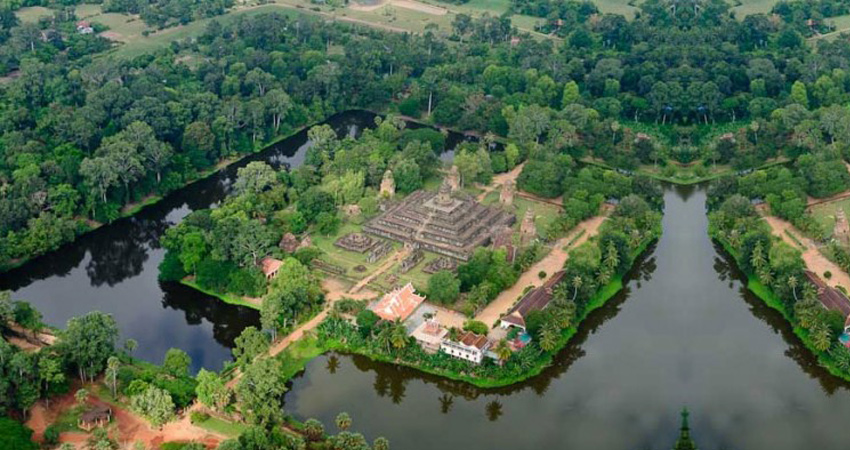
(536, 299)
(830, 297)
(270, 267)
(398, 304)
(470, 346)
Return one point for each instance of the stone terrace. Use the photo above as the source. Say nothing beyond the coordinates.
(450, 224)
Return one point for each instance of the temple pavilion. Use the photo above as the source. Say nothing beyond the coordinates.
(445, 222)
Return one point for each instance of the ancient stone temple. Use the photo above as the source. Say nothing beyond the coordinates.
(841, 232)
(527, 230)
(454, 179)
(356, 242)
(388, 184)
(506, 196)
(450, 224)
(441, 263)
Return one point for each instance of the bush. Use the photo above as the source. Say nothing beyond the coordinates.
(214, 275)
(541, 274)
(171, 269)
(198, 417)
(827, 274)
(51, 435)
(475, 326)
(409, 107)
(247, 281)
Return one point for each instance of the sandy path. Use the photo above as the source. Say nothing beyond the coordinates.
(499, 180)
(395, 257)
(814, 259)
(551, 263)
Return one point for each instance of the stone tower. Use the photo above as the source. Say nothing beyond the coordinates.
(527, 230)
(841, 232)
(388, 184)
(444, 195)
(506, 196)
(454, 179)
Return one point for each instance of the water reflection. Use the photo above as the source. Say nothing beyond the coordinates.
(685, 331)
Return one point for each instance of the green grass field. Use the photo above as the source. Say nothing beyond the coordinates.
(31, 14)
(825, 212)
(748, 7)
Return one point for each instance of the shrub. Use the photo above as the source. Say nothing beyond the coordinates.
(827, 274)
(409, 107)
(198, 417)
(171, 269)
(475, 326)
(51, 435)
(247, 282)
(541, 274)
(212, 274)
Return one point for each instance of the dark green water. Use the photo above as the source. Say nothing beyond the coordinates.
(685, 332)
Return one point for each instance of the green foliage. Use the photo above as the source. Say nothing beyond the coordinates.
(177, 362)
(155, 404)
(475, 326)
(15, 436)
(443, 287)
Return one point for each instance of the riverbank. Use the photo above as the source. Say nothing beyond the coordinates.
(825, 360)
(296, 357)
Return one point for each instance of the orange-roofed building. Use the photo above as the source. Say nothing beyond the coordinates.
(270, 267)
(398, 304)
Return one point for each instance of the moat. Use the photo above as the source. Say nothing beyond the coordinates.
(683, 333)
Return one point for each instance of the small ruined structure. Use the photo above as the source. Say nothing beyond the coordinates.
(388, 184)
(536, 299)
(841, 232)
(356, 242)
(270, 267)
(351, 210)
(305, 242)
(527, 230)
(503, 240)
(98, 417)
(288, 243)
(446, 223)
(411, 260)
(398, 304)
(429, 335)
(441, 263)
(506, 195)
(454, 179)
(379, 251)
(470, 346)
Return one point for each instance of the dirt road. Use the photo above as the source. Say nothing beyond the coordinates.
(814, 259)
(551, 263)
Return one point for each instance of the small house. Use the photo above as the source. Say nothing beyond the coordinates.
(270, 267)
(84, 27)
(94, 418)
(536, 299)
(830, 297)
(470, 346)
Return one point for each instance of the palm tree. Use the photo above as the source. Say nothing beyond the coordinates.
(343, 421)
(757, 257)
(384, 338)
(398, 335)
(494, 410)
(333, 364)
(792, 283)
(381, 443)
(112, 365)
(548, 337)
(765, 276)
(313, 429)
(577, 281)
(821, 337)
(503, 351)
(454, 334)
(446, 402)
(612, 258)
(604, 277)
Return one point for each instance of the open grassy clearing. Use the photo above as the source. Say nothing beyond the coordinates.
(140, 45)
(825, 212)
(622, 7)
(748, 7)
(842, 25)
(31, 14)
(345, 258)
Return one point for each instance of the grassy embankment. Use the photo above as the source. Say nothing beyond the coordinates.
(297, 355)
(770, 299)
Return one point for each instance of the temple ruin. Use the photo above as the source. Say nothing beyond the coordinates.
(443, 222)
(388, 184)
(506, 196)
(841, 232)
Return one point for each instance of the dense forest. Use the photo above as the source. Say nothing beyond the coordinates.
(82, 138)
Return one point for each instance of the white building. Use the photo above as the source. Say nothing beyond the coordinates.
(470, 346)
